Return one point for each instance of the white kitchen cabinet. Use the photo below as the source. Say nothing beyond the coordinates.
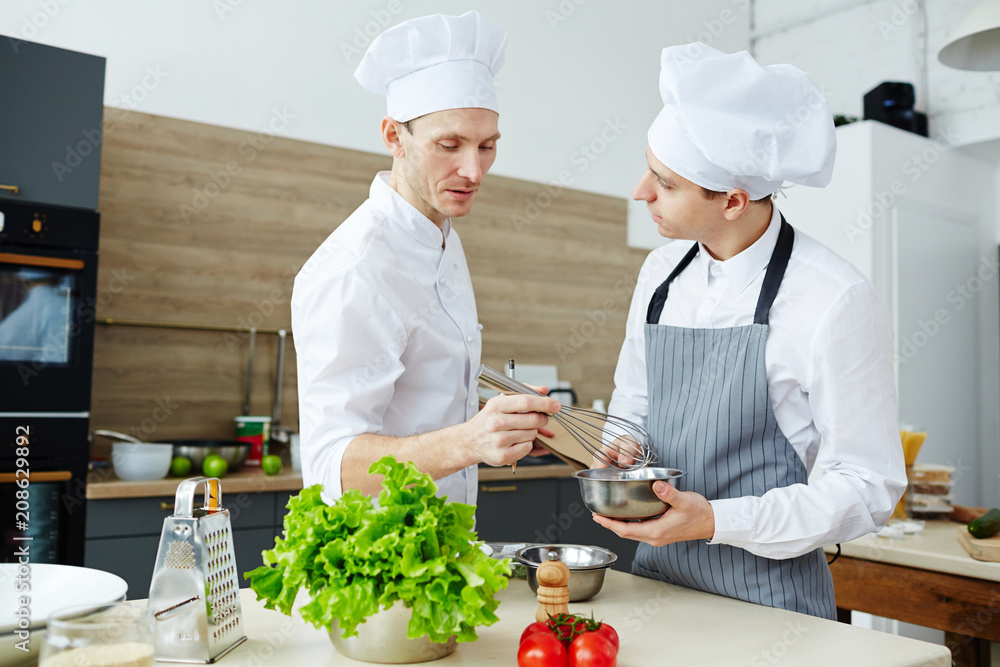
(919, 218)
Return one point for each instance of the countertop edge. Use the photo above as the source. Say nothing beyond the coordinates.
(103, 485)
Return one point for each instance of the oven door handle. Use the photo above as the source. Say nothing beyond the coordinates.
(47, 476)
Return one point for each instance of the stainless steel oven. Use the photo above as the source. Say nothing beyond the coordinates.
(48, 293)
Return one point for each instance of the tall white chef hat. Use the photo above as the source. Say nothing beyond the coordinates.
(729, 123)
(435, 63)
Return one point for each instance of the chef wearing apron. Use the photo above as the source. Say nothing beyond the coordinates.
(383, 315)
(755, 356)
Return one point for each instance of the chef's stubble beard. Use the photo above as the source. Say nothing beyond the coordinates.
(415, 178)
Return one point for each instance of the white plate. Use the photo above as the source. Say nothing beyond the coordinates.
(53, 587)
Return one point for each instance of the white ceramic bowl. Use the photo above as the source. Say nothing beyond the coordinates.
(53, 587)
(141, 462)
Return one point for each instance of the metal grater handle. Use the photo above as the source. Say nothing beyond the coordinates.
(184, 500)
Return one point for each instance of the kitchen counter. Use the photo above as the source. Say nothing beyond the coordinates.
(925, 579)
(104, 485)
(935, 549)
(656, 622)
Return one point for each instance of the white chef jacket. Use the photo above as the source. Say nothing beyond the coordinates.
(828, 359)
(386, 336)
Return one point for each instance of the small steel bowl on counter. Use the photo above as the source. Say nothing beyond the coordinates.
(625, 494)
(234, 452)
(587, 566)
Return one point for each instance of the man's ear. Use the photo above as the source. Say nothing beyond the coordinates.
(736, 203)
(392, 137)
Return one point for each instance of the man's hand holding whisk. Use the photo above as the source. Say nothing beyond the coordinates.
(504, 431)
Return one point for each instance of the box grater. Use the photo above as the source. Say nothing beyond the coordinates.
(195, 594)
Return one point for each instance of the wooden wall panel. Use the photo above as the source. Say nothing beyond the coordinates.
(552, 283)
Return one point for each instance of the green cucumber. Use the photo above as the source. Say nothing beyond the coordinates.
(985, 526)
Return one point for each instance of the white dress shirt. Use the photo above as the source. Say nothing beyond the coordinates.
(828, 360)
(387, 337)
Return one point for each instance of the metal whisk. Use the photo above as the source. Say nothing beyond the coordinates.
(615, 442)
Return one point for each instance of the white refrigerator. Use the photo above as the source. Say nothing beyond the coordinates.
(918, 216)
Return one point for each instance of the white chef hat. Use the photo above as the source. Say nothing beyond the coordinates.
(729, 123)
(435, 63)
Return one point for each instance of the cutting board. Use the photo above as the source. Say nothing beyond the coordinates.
(987, 549)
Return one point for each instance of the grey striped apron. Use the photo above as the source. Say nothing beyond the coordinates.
(710, 415)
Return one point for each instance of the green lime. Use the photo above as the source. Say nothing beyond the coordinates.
(271, 464)
(180, 466)
(214, 466)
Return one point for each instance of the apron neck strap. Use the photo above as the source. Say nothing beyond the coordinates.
(660, 295)
(775, 272)
(768, 291)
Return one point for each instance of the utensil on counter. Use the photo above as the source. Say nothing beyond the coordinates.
(234, 452)
(625, 494)
(137, 461)
(279, 433)
(587, 566)
(613, 441)
(246, 394)
(141, 462)
(194, 593)
(987, 549)
(115, 435)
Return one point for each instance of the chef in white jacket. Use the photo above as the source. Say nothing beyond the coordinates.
(749, 348)
(383, 314)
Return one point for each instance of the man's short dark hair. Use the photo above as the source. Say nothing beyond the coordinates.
(409, 125)
(712, 194)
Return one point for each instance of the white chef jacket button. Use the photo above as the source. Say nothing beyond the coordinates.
(479, 326)
(469, 338)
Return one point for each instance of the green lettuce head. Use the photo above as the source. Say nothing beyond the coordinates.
(355, 558)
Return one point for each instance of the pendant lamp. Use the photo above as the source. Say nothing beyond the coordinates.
(975, 43)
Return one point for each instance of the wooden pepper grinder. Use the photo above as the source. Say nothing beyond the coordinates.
(553, 588)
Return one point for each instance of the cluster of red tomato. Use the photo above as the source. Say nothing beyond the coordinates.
(566, 640)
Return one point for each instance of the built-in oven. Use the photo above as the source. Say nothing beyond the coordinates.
(48, 294)
(43, 489)
(48, 284)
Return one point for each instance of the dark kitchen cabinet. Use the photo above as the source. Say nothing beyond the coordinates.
(123, 535)
(544, 511)
(52, 111)
(580, 527)
(518, 511)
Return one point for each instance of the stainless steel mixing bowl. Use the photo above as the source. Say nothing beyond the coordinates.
(587, 566)
(625, 494)
(233, 451)
(382, 639)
